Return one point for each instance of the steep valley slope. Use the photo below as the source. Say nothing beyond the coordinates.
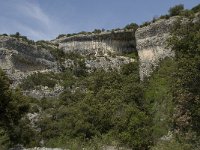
(131, 88)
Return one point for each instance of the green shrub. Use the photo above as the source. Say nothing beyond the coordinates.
(159, 98)
(97, 31)
(176, 10)
(60, 36)
(196, 8)
(4, 140)
(145, 24)
(187, 78)
(172, 144)
(13, 106)
(36, 79)
(132, 26)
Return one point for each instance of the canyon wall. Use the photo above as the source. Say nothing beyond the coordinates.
(103, 50)
(19, 58)
(152, 45)
(150, 42)
(106, 50)
(101, 44)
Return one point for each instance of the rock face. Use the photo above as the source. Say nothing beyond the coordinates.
(44, 91)
(150, 42)
(107, 62)
(101, 50)
(152, 45)
(101, 44)
(19, 58)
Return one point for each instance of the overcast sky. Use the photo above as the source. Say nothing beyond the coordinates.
(46, 19)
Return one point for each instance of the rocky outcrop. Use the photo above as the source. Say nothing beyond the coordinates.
(107, 62)
(44, 91)
(99, 44)
(101, 50)
(19, 58)
(152, 45)
(149, 41)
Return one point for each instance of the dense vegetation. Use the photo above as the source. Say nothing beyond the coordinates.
(113, 107)
(13, 106)
(186, 86)
(177, 10)
(103, 106)
(182, 84)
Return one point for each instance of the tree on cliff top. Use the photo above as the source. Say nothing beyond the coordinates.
(176, 10)
(132, 26)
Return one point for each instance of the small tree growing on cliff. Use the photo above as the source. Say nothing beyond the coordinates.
(97, 31)
(176, 10)
(196, 9)
(132, 26)
(17, 34)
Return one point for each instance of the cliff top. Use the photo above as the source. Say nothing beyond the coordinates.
(95, 36)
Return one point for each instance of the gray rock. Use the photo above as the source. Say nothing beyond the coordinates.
(152, 45)
(43, 91)
(20, 59)
(107, 63)
(43, 148)
(98, 44)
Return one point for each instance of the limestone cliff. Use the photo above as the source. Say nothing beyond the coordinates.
(99, 44)
(19, 58)
(103, 50)
(150, 42)
(152, 45)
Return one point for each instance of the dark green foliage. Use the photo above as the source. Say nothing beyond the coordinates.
(80, 69)
(36, 79)
(132, 26)
(58, 54)
(18, 36)
(196, 9)
(145, 24)
(73, 55)
(97, 31)
(103, 30)
(176, 10)
(53, 48)
(164, 17)
(129, 69)
(172, 144)
(69, 78)
(13, 106)
(159, 98)
(4, 139)
(186, 86)
(83, 32)
(114, 107)
(132, 54)
(94, 105)
(60, 36)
